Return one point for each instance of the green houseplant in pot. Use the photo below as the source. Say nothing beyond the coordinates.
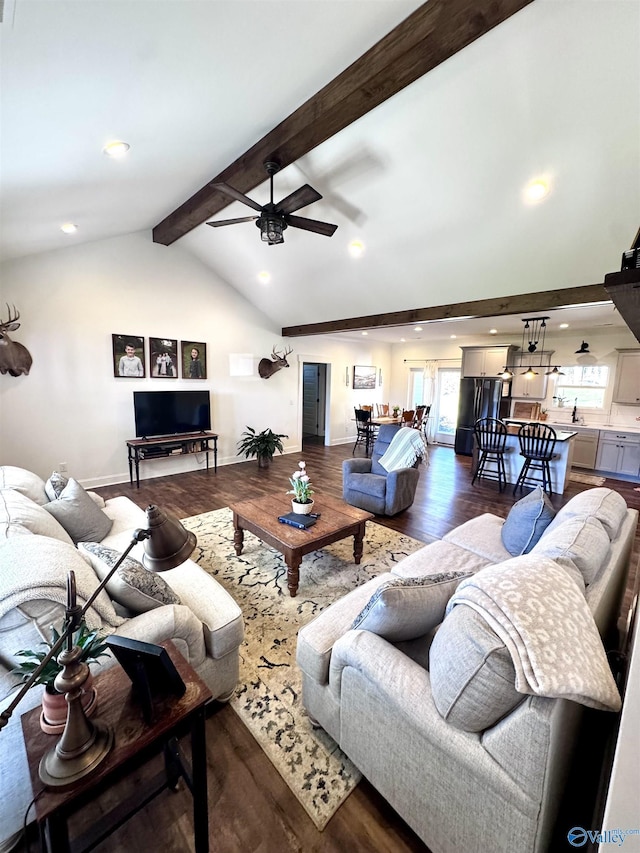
(262, 445)
(54, 704)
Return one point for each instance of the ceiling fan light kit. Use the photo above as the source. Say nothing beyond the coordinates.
(274, 218)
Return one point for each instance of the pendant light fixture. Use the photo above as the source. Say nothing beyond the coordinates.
(555, 371)
(533, 333)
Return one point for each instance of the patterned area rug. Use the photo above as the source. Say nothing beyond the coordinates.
(589, 479)
(268, 699)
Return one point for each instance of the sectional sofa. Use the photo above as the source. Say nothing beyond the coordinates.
(457, 682)
(42, 528)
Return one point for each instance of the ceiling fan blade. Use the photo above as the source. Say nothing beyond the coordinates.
(311, 225)
(237, 195)
(300, 198)
(232, 221)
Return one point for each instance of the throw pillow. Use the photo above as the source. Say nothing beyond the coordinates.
(471, 672)
(23, 481)
(16, 508)
(526, 522)
(132, 585)
(55, 485)
(407, 608)
(78, 514)
(583, 541)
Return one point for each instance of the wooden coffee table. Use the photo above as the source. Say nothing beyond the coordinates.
(260, 517)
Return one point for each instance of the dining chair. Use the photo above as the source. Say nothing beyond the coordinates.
(537, 443)
(491, 440)
(382, 410)
(364, 432)
(407, 416)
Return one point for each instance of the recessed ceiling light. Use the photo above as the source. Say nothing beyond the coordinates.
(356, 249)
(264, 276)
(403, 340)
(453, 337)
(493, 331)
(69, 228)
(365, 333)
(536, 190)
(564, 325)
(116, 148)
(418, 329)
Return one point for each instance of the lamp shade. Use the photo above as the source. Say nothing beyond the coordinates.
(584, 347)
(169, 543)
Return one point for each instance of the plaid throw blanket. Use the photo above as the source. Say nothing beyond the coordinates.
(406, 448)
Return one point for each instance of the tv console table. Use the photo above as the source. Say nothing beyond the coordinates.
(142, 449)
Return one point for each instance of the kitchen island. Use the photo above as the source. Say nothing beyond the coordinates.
(560, 465)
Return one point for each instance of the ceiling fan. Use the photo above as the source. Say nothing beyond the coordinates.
(274, 218)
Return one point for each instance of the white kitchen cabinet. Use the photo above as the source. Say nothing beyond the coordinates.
(585, 449)
(627, 385)
(536, 387)
(619, 453)
(488, 362)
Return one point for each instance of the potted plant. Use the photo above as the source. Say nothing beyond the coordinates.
(54, 704)
(262, 445)
(302, 502)
(543, 415)
(396, 411)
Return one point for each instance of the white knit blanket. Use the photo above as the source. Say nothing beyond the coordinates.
(406, 448)
(542, 617)
(36, 567)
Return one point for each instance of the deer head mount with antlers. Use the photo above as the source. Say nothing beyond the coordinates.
(267, 368)
(14, 357)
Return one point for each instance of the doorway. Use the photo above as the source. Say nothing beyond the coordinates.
(314, 402)
(446, 414)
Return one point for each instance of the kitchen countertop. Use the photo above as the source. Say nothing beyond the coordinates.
(561, 435)
(619, 428)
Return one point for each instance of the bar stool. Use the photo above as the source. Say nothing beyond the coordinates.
(491, 439)
(537, 443)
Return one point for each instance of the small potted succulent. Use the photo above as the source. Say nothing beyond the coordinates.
(302, 502)
(262, 445)
(54, 704)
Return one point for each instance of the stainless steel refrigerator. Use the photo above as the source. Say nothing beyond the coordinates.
(479, 398)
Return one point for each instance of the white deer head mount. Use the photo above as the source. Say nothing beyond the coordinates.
(267, 368)
(14, 357)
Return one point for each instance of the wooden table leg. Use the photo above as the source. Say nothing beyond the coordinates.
(293, 574)
(358, 543)
(199, 770)
(238, 536)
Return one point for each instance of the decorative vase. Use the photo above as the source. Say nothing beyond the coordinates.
(302, 509)
(54, 708)
(263, 461)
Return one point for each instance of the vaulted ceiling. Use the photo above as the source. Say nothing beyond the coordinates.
(430, 181)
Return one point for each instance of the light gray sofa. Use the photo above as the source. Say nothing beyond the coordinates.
(459, 782)
(36, 553)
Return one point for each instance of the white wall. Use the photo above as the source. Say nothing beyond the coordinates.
(71, 408)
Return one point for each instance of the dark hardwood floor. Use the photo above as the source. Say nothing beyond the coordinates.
(251, 809)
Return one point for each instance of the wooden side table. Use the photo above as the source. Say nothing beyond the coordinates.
(135, 742)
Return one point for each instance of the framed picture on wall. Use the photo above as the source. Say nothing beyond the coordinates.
(194, 359)
(364, 378)
(128, 356)
(163, 358)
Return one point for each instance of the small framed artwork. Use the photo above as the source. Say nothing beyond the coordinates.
(194, 360)
(128, 356)
(163, 358)
(364, 378)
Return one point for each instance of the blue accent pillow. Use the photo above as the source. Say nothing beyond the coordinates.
(526, 522)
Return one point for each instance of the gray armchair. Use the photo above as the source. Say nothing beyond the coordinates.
(367, 485)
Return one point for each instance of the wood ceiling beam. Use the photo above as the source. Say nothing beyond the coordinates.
(433, 33)
(499, 306)
(624, 289)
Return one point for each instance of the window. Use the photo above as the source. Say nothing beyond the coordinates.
(583, 385)
(416, 387)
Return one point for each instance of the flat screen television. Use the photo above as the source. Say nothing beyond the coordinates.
(171, 412)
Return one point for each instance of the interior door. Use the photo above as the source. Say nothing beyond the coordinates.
(313, 399)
